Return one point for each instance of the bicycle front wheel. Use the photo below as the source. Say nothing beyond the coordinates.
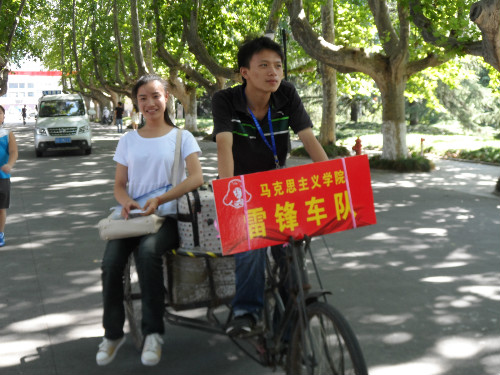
(327, 346)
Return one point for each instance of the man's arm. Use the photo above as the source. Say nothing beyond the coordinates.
(312, 146)
(225, 161)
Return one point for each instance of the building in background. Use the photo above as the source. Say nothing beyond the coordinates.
(25, 88)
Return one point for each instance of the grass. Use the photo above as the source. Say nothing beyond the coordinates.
(442, 139)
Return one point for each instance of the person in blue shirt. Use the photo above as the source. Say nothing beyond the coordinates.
(8, 157)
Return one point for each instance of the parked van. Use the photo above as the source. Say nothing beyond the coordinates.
(62, 123)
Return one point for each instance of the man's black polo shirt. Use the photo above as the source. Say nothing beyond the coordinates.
(250, 153)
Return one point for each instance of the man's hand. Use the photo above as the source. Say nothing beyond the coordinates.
(312, 146)
(6, 168)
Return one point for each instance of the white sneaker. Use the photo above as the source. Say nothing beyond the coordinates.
(151, 352)
(107, 350)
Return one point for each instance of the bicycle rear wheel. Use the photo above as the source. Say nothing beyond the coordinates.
(328, 347)
(132, 302)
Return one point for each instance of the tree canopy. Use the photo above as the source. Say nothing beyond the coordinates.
(102, 47)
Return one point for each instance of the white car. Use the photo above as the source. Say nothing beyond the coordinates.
(62, 123)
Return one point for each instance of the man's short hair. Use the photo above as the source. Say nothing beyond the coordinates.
(253, 46)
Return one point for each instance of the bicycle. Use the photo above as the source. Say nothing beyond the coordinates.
(299, 331)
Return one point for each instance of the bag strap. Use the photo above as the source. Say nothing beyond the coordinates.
(177, 157)
(196, 210)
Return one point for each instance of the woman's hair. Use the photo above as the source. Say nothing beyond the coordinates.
(3, 109)
(146, 79)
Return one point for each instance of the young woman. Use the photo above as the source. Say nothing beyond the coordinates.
(8, 157)
(144, 163)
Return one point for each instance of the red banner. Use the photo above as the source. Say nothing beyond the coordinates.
(263, 209)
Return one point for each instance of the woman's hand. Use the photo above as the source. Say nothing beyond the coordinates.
(127, 207)
(151, 206)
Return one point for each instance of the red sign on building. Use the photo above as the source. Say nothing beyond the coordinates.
(266, 208)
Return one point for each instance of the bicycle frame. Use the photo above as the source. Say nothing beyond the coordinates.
(279, 319)
(285, 331)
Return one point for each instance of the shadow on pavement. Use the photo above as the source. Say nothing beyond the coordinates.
(420, 288)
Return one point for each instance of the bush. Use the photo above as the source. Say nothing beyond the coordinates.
(414, 152)
(485, 154)
(331, 150)
(348, 130)
(412, 164)
(428, 129)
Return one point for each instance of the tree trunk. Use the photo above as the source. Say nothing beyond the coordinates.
(354, 110)
(328, 80)
(4, 79)
(115, 98)
(485, 14)
(187, 96)
(190, 112)
(171, 107)
(329, 83)
(393, 119)
(413, 112)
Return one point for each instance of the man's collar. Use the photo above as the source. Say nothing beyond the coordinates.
(278, 99)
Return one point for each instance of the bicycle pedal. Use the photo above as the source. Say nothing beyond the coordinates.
(256, 331)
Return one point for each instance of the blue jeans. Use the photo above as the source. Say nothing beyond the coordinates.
(250, 282)
(148, 257)
(119, 125)
(250, 279)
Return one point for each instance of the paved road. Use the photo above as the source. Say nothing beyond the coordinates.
(421, 288)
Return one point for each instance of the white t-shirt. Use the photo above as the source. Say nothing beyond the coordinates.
(149, 160)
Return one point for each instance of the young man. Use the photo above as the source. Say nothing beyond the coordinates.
(246, 143)
(119, 117)
(24, 113)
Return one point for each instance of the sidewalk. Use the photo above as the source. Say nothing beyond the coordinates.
(420, 288)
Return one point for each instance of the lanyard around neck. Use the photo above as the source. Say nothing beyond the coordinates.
(272, 147)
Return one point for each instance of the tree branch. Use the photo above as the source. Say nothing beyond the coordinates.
(172, 62)
(136, 38)
(274, 16)
(430, 61)
(345, 60)
(8, 45)
(197, 48)
(430, 34)
(388, 36)
(116, 29)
